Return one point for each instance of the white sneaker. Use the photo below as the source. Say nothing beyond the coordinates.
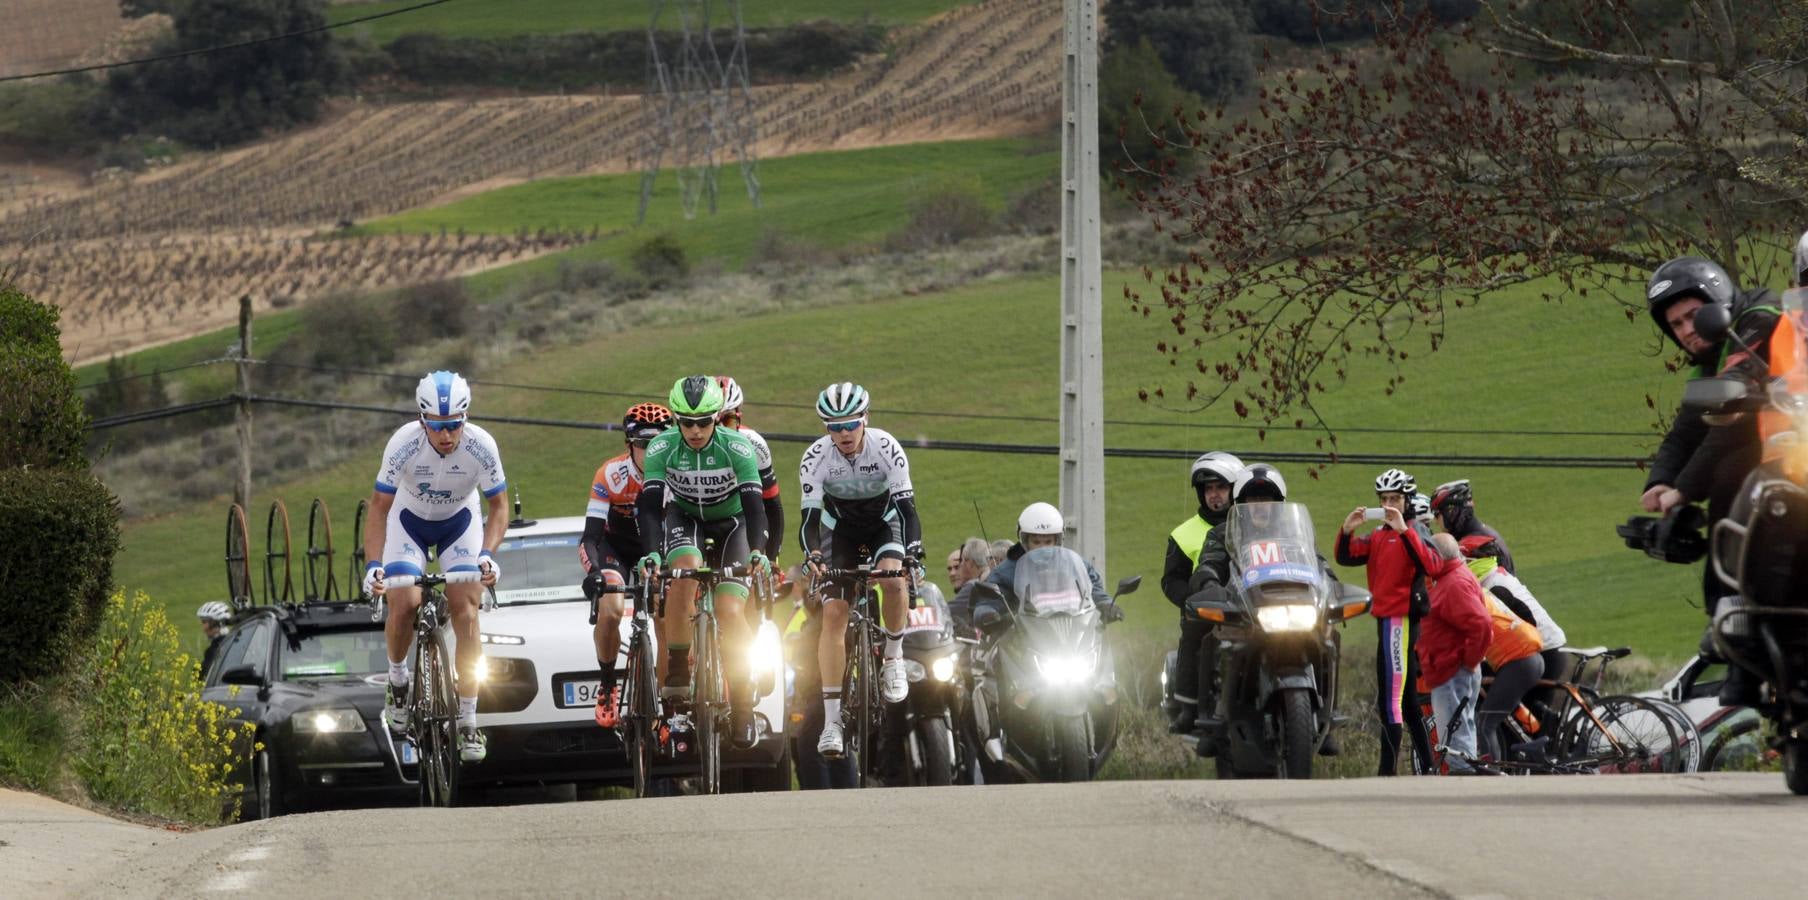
(829, 745)
(472, 745)
(894, 685)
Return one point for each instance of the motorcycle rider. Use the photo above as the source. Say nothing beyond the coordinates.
(1396, 560)
(1698, 462)
(1212, 476)
(1039, 526)
(1454, 505)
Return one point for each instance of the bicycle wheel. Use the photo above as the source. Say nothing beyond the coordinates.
(319, 581)
(1688, 738)
(356, 577)
(1736, 745)
(639, 695)
(278, 588)
(708, 696)
(238, 559)
(435, 723)
(861, 699)
(1621, 735)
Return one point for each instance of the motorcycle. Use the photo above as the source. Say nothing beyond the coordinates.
(1278, 651)
(1760, 550)
(919, 735)
(1046, 684)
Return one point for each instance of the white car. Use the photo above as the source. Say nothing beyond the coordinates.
(540, 677)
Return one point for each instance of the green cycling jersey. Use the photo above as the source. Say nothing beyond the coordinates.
(704, 483)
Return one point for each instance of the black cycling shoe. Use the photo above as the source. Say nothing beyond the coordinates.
(1741, 688)
(740, 727)
(1183, 720)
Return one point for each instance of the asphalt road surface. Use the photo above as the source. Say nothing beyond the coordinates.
(1724, 836)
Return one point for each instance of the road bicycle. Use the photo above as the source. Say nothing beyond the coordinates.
(433, 688)
(862, 708)
(709, 704)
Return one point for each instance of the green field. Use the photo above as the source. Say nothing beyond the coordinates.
(830, 200)
(497, 18)
(1512, 364)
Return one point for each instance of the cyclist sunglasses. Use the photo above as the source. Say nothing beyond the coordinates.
(696, 421)
(443, 424)
(844, 426)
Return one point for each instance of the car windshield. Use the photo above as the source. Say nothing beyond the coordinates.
(1273, 543)
(335, 654)
(541, 568)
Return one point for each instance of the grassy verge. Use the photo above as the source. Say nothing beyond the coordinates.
(560, 16)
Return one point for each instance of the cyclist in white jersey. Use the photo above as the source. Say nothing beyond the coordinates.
(730, 416)
(856, 481)
(426, 497)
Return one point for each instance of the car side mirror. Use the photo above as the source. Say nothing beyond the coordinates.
(1713, 322)
(244, 675)
(1128, 585)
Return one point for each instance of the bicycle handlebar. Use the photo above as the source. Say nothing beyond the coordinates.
(434, 579)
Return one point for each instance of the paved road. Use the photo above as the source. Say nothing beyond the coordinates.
(1599, 837)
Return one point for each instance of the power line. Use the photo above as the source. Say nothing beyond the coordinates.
(1478, 461)
(223, 47)
(149, 415)
(155, 372)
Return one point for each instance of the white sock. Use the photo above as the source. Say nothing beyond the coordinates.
(398, 673)
(831, 710)
(894, 646)
(467, 712)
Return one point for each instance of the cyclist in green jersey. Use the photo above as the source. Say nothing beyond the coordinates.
(701, 505)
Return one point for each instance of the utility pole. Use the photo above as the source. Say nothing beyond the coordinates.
(1082, 365)
(241, 492)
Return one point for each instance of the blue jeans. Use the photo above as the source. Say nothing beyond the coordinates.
(1465, 685)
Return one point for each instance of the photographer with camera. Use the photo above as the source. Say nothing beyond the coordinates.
(1702, 460)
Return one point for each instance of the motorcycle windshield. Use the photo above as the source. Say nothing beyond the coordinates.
(928, 623)
(1052, 581)
(1272, 548)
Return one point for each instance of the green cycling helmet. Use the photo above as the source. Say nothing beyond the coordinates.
(695, 396)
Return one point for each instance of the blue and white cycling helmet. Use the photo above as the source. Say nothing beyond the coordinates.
(443, 393)
(846, 400)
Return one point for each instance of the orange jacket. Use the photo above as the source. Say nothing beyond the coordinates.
(1514, 638)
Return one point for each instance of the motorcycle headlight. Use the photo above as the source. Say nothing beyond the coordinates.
(943, 668)
(1065, 668)
(767, 654)
(335, 720)
(1287, 617)
(483, 669)
(914, 671)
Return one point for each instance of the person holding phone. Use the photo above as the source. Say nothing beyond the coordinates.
(1395, 558)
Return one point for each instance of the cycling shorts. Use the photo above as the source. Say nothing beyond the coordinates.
(851, 547)
(723, 542)
(456, 542)
(618, 554)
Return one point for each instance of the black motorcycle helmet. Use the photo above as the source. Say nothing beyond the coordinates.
(1683, 277)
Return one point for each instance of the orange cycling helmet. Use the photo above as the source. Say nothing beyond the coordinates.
(644, 421)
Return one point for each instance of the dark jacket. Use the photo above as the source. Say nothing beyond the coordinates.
(1455, 634)
(1478, 538)
(1004, 576)
(1708, 463)
(1214, 564)
(1177, 571)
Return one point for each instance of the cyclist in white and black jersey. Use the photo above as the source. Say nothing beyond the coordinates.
(856, 482)
(730, 416)
(426, 493)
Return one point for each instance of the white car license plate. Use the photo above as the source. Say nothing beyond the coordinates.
(410, 756)
(580, 693)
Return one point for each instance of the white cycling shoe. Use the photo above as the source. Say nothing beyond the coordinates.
(472, 745)
(829, 746)
(894, 684)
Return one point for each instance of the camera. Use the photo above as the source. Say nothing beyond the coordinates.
(1676, 537)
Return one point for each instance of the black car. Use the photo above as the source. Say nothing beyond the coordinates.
(308, 681)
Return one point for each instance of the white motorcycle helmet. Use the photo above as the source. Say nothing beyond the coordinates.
(1039, 518)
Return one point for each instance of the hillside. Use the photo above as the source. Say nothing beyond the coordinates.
(52, 34)
(468, 19)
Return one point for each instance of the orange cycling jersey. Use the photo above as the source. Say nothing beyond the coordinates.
(1514, 638)
(613, 493)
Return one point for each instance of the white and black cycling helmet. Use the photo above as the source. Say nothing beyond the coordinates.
(1395, 481)
(1218, 465)
(1419, 506)
(1040, 518)
(443, 393)
(214, 611)
(846, 400)
(1260, 481)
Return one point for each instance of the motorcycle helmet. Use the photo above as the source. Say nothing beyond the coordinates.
(1040, 518)
(1395, 481)
(1260, 481)
(1215, 464)
(443, 393)
(1684, 277)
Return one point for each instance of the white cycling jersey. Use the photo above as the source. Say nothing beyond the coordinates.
(762, 454)
(859, 489)
(1550, 634)
(436, 487)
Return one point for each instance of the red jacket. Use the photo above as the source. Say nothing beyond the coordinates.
(1457, 631)
(1389, 557)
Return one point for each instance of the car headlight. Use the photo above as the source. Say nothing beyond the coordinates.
(1287, 617)
(1064, 669)
(914, 671)
(513, 640)
(943, 668)
(335, 720)
(767, 653)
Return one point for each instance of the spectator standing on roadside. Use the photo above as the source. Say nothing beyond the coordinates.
(1001, 551)
(1453, 638)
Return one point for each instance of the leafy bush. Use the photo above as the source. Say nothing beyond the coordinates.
(149, 742)
(1312, 21)
(42, 423)
(1204, 44)
(33, 737)
(59, 530)
(942, 216)
(1137, 100)
(439, 309)
(341, 331)
(660, 259)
